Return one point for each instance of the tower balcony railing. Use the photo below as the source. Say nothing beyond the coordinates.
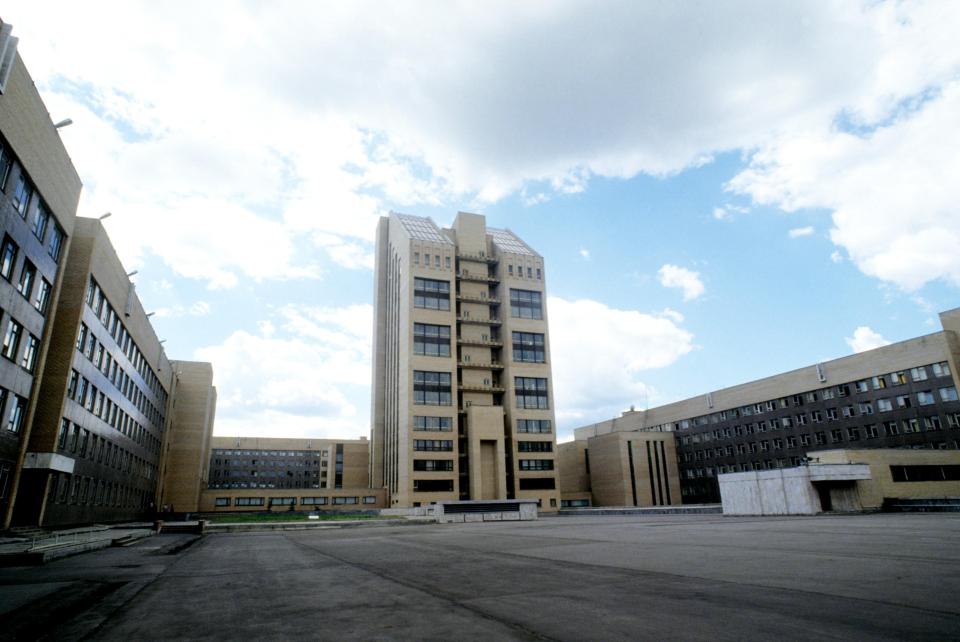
(466, 341)
(478, 299)
(480, 278)
(478, 320)
(480, 365)
(480, 387)
(480, 258)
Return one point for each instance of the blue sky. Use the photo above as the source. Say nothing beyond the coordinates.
(720, 191)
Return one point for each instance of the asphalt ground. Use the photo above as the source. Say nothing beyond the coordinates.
(701, 577)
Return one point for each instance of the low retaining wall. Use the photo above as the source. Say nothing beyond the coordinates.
(698, 509)
(501, 510)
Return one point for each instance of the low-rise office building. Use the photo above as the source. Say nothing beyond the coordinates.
(900, 396)
(270, 473)
(39, 192)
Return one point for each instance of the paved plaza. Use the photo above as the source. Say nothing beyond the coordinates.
(701, 577)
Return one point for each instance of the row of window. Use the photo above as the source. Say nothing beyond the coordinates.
(432, 424)
(111, 320)
(536, 464)
(80, 490)
(284, 463)
(924, 398)
(852, 433)
(526, 304)
(291, 501)
(81, 442)
(100, 357)
(24, 194)
(10, 349)
(431, 294)
(768, 464)
(431, 340)
(82, 391)
(271, 453)
(426, 260)
(529, 272)
(28, 276)
(879, 382)
(432, 388)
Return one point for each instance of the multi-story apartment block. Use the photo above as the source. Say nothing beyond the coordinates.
(903, 395)
(462, 404)
(39, 192)
(98, 438)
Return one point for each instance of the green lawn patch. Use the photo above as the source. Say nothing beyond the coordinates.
(282, 517)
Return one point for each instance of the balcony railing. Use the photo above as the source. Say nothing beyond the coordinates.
(478, 299)
(478, 320)
(479, 342)
(480, 258)
(480, 365)
(479, 387)
(482, 278)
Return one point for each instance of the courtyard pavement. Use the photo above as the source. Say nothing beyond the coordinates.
(701, 577)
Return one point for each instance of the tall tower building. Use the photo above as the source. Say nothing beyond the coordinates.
(462, 404)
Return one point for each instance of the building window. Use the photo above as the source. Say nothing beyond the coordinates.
(866, 409)
(431, 388)
(948, 394)
(432, 424)
(433, 465)
(344, 500)
(432, 485)
(40, 221)
(42, 301)
(8, 258)
(879, 383)
(313, 501)
(925, 398)
(534, 426)
(248, 501)
(898, 378)
(535, 446)
(28, 274)
(531, 392)
(433, 445)
(6, 162)
(871, 431)
(11, 340)
(884, 405)
(55, 247)
(925, 473)
(431, 340)
(918, 374)
(536, 464)
(64, 433)
(222, 501)
(904, 401)
(22, 195)
(29, 360)
(529, 347)
(526, 304)
(941, 369)
(431, 294)
(17, 409)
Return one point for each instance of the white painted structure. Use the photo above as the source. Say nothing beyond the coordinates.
(792, 491)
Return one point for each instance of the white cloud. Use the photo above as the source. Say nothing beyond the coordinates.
(864, 338)
(797, 232)
(305, 373)
(598, 373)
(893, 191)
(673, 276)
(197, 309)
(273, 115)
(720, 213)
(584, 254)
(836, 256)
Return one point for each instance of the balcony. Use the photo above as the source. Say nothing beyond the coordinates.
(479, 387)
(496, 343)
(478, 299)
(478, 320)
(480, 278)
(479, 365)
(480, 258)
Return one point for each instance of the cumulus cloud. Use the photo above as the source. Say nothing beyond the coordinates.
(584, 254)
(236, 110)
(797, 232)
(301, 374)
(893, 191)
(673, 276)
(864, 338)
(598, 373)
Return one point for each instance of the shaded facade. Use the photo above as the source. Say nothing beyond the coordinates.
(462, 405)
(39, 191)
